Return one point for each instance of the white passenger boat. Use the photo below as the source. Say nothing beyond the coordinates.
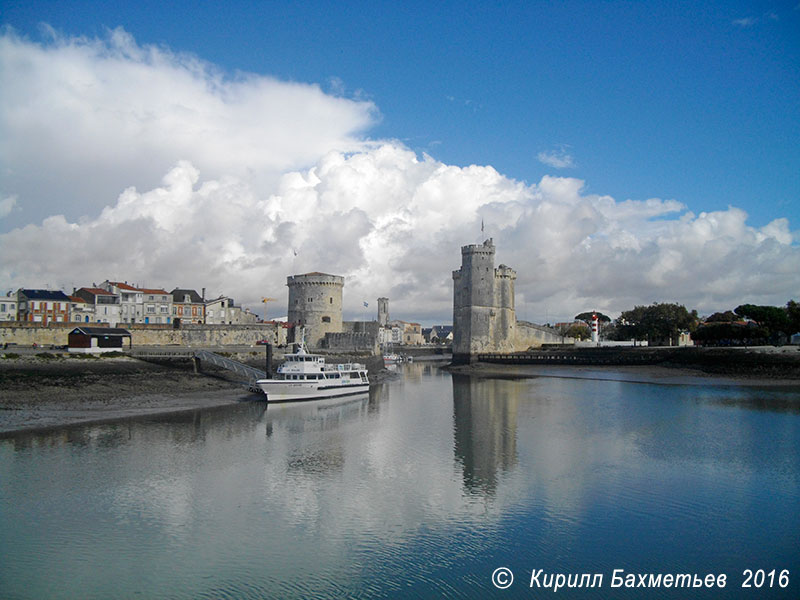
(305, 376)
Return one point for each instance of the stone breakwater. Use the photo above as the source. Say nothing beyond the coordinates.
(762, 363)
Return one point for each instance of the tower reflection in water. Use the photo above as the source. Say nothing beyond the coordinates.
(485, 429)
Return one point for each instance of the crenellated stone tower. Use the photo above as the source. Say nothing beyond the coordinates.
(484, 319)
(315, 303)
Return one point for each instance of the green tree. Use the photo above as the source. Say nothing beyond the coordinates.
(793, 316)
(586, 317)
(722, 317)
(578, 332)
(573, 330)
(726, 334)
(773, 319)
(659, 323)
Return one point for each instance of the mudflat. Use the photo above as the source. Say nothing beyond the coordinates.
(51, 392)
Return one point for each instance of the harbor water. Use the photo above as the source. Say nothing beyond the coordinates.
(423, 488)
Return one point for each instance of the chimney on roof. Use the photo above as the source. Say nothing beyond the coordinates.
(204, 294)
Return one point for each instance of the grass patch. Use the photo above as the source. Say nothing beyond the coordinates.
(47, 355)
(11, 355)
(112, 354)
(83, 356)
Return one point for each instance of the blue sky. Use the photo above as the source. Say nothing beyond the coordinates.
(693, 102)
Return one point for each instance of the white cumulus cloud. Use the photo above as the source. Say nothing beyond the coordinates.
(392, 224)
(81, 118)
(255, 180)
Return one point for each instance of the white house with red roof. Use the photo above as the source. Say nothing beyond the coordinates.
(105, 305)
(141, 305)
(80, 311)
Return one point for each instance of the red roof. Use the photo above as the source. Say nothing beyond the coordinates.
(98, 291)
(146, 291)
(123, 286)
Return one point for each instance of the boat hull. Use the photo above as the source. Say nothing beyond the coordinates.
(294, 391)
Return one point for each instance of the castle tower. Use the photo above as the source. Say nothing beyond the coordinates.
(383, 312)
(315, 303)
(484, 319)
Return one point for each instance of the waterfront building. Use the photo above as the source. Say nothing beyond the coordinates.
(224, 311)
(441, 333)
(157, 306)
(42, 306)
(409, 334)
(141, 305)
(8, 307)
(131, 300)
(188, 306)
(80, 311)
(104, 305)
(97, 340)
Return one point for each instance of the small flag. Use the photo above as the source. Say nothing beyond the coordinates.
(481, 225)
(366, 304)
(295, 251)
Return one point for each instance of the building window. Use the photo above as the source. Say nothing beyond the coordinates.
(331, 299)
(310, 299)
(326, 319)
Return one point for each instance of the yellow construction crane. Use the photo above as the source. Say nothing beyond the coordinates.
(265, 300)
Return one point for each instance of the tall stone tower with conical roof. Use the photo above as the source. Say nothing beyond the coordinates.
(484, 319)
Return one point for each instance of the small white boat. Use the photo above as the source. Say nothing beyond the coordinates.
(390, 359)
(305, 376)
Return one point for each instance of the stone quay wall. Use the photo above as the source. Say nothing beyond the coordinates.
(347, 342)
(530, 335)
(55, 334)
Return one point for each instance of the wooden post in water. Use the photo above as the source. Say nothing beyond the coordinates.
(269, 361)
(196, 365)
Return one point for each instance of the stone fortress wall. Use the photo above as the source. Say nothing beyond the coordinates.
(55, 334)
(315, 303)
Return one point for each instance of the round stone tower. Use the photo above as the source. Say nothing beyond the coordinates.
(315, 303)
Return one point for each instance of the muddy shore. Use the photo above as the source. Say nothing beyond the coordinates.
(40, 393)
